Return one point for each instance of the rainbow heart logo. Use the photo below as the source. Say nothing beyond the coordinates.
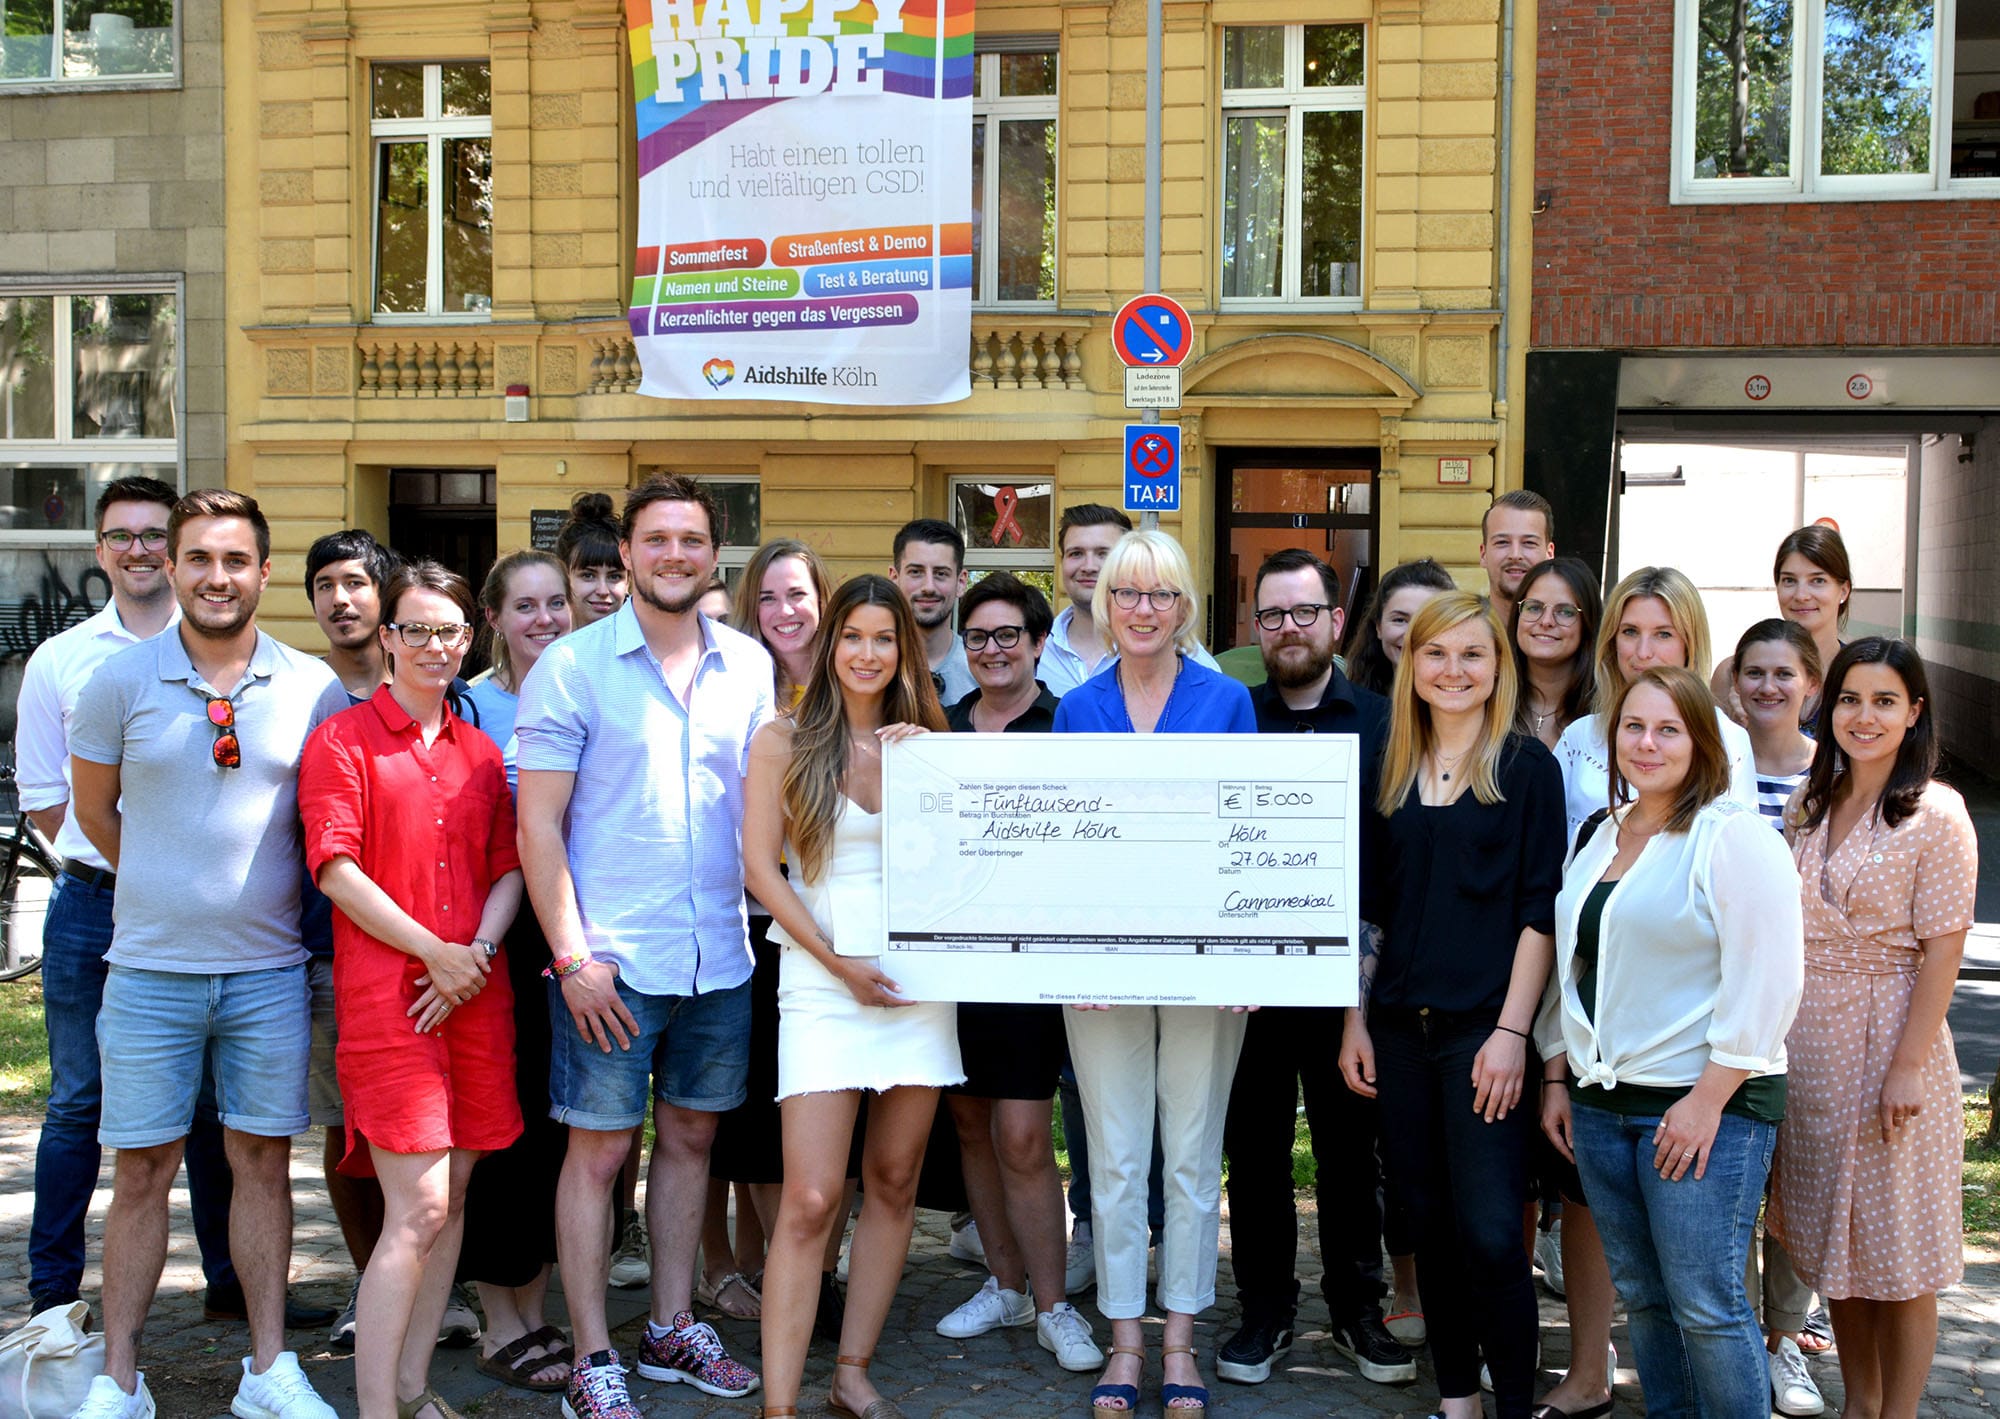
(718, 372)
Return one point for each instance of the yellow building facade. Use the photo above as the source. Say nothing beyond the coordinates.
(431, 204)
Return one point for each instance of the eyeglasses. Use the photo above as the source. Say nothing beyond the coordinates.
(228, 750)
(1127, 598)
(1566, 614)
(1272, 618)
(152, 539)
(416, 635)
(1006, 637)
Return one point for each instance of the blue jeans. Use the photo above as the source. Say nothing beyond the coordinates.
(1677, 1252)
(74, 940)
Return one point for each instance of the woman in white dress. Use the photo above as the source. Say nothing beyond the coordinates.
(1654, 616)
(814, 794)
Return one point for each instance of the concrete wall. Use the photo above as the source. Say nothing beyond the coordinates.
(1958, 591)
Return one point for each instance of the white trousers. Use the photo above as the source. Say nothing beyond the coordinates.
(1131, 1062)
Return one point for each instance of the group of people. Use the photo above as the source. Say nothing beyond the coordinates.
(1639, 949)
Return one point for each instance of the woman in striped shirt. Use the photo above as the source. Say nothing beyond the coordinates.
(1775, 675)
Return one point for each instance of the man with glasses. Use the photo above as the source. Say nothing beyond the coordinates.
(1299, 619)
(1515, 533)
(184, 764)
(927, 560)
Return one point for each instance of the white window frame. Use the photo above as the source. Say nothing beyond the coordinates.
(66, 450)
(165, 79)
(1806, 183)
(436, 131)
(994, 110)
(1038, 558)
(1294, 100)
(731, 559)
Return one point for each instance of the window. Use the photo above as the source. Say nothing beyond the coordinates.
(1778, 100)
(102, 43)
(1008, 526)
(1292, 100)
(89, 392)
(1014, 178)
(433, 131)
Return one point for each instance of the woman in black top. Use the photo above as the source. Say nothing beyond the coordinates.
(1472, 847)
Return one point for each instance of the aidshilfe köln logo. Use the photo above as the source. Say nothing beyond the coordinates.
(718, 372)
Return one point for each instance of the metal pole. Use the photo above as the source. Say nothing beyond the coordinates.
(1154, 44)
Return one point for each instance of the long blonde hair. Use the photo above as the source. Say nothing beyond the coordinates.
(813, 780)
(1410, 732)
(1155, 554)
(1671, 589)
(743, 614)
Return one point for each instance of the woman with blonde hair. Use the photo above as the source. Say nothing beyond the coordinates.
(1472, 840)
(1653, 616)
(1138, 1062)
(814, 799)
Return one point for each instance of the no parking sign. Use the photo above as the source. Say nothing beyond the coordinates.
(1152, 468)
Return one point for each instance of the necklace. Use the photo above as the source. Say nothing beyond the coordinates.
(866, 746)
(1439, 761)
(1160, 724)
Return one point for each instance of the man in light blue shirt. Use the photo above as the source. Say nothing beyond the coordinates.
(634, 736)
(1075, 650)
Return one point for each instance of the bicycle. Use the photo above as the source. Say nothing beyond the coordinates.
(27, 880)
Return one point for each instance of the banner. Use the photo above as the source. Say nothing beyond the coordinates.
(805, 199)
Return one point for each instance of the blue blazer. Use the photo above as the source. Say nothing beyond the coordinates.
(1204, 701)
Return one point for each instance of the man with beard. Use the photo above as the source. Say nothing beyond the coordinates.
(1516, 533)
(928, 561)
(634, 736)
(184, 756)
(1299, 620)
(344, 575)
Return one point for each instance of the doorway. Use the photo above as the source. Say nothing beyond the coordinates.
(1320, 499)
(449, 516)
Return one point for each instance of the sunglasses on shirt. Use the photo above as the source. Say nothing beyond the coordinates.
(227, 750)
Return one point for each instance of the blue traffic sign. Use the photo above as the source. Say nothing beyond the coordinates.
(1152, 332)
(1152, 467)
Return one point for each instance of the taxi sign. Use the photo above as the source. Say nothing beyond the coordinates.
(1152, 331)
(1152, 468)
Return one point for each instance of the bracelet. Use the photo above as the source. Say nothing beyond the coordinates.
(1512, 1031)
(567, 966)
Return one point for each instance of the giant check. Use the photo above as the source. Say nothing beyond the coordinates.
(1183, 869)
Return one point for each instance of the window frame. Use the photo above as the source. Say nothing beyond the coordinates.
(65, 449)
(436, 130)
(1039, 558)
(1806, 183)
(994, 110)
(166, 79)
(1293, 100)
(732, 557)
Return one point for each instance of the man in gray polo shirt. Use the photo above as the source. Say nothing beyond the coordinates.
(184, 774)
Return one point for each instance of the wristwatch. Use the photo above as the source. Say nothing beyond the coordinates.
(488, 947)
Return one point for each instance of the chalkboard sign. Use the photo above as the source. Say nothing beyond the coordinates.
(543, 525)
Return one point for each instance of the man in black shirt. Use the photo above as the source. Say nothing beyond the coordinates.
(1299, 620)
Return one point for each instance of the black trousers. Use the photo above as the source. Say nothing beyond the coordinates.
(1465, 1182)
(1286, 1052)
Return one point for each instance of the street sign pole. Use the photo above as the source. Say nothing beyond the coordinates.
(1154, 31)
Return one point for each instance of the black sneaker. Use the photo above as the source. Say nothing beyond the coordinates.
(1376, 1353)
(1250, 1353)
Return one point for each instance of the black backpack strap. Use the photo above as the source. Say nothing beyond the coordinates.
(1588, 830)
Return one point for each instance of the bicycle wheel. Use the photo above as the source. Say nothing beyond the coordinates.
(24, 908)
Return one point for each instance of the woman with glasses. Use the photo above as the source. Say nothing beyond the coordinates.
(1554, 636)
(1134, 1062)
(1012, 1053)
(409, 828)
(1375, 639)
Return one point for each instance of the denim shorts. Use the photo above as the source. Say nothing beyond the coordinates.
(156, 1027)
(695, 1049)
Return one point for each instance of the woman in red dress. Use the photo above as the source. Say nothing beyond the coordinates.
(410, 830)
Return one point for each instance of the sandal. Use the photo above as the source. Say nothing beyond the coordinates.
(1169, 1393)
(1127, 1395)
(512, 1365)
(408, 1408)
(555, 1343)
(712, 1296)
(879, 1409)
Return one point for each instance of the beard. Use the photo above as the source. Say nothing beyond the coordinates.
(1289, 670)
(673, 606)
(932, 619)
(214, 623)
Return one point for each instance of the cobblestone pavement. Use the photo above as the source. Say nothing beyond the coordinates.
(191, 1364)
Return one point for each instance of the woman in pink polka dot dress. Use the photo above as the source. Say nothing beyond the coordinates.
(1866, 1186)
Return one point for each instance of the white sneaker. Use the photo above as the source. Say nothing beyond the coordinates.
(1549, 1256)
(281, 1392)
(1080, 1263)
(991, 1307)
(460, 1326)
(106, 1401)
(1065, 1334)
(632, 1263)
(1792, 1389)
(965, 1243)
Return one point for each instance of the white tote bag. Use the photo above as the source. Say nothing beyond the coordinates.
(46, 1366)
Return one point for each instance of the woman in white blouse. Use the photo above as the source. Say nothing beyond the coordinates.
(1652, 617)
(1680, 957)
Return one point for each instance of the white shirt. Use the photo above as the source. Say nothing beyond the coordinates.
(1062, 669)
(1701, 955)
(1586, 766)
(50, 687)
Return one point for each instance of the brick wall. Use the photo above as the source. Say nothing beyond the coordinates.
(1617, 265)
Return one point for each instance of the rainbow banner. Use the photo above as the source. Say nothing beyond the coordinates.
(805, 199)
